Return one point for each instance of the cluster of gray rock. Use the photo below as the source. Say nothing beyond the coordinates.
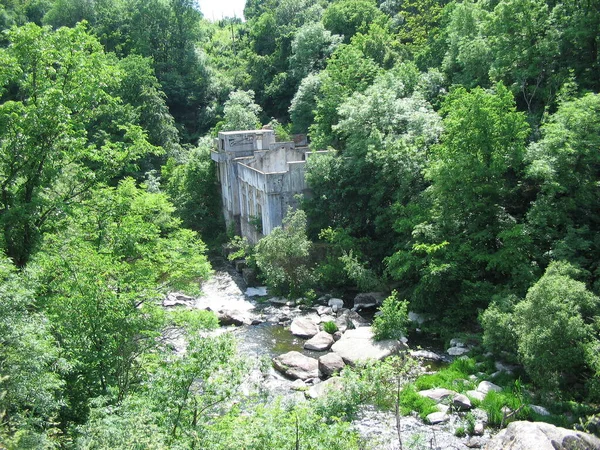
(351, 343)
(449, 401)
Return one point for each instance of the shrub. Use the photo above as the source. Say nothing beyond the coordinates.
(194, 319)
(494, 403)
(392, 321)
(451, 377)
(283, 256)
(499, 326)
(410, 401)
(470, 420)
(555, 328)
(330, 327)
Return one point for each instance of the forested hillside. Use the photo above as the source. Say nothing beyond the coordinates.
(464, 174)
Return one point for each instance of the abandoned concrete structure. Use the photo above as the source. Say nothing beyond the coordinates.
(259, 178)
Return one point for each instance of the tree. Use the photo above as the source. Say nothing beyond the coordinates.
(30, 366)
(393, 320)
(468, 58)
(564, 163)
(192, 187)
(348, 17)
(100, 279)
(557, 328)
(311, 46)
(473, 243)
(140, 88)
(418, 24)
(283, 256)
(348, 70)
(524, 44)
(240, 112)
(62, 129)
(304, 103)
(387, 130)
(176, 405)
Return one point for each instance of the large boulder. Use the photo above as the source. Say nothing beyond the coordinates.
(319, 342)
(353, 319)
(485, 386)
(296, 365)
(368, 300)
(541, 436)
(335, 303)
(234, 317)
(438, 417)
(461, 402)
(303, 327)
(330, 363)
(358, 346)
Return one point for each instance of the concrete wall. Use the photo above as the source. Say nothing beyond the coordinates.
(259, 180)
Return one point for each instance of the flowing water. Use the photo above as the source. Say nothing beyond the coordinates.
(269, 338)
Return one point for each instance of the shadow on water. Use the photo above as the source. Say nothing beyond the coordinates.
(423, 341)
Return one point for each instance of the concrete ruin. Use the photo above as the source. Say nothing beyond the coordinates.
(260, 179)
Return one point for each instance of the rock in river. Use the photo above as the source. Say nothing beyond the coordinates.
(303, 327)
(320, 342)
(297, 366)
(359, 346)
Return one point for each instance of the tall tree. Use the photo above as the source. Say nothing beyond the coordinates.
(61, 129)
(474, 243)
(565, 163)
(99, 280)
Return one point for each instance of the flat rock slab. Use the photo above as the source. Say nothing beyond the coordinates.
(358, 346)
(437, 417)
(177, 299)
(330, 385)
(457, 351)
(319, 342)
(541, 436)
(437, 395)
(281, 301)
(296, 365)
(303, 327)
(324, 310)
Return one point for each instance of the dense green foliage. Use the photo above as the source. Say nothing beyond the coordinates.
(392, 321)
(283, 256)
(464, 173)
